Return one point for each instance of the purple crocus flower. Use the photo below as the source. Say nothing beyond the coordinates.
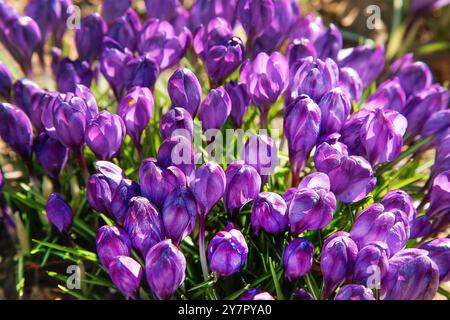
(240, 100)
(169, 10)
(121, 198)
(255, 16)
(302, 294)
(203, 11)
(40, 101)
(309, 27)
(350, 82)
(71, 73)
(51, 154)
(269, 212)
(24, 90)
(177, 121)
(300, 49)
(111, 242)
(113, 9)
(438, 124)
(389, 95)
(217, 32)
(256, 295)
(354, 292)
(140, 72)
(126, 274)
(372, 263)
(335, 107)
(440, 195)
(261, 152)
(178, 151)
(399, 199)
(125, 29)
(6, 79)
(215, 109)
(185, 90)
(351, 132)
(143, 224)
(337, 260)
(227, 252)
(329, 44)
(439, 252)
(297, 258)
(243, 185)
(59, 213)
(412, 275)
(414, 76)
(89, 37)
(420, 227)
(330, 153)
(424, 7)
(165, 267)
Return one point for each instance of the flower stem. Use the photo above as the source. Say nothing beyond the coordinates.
(264, 118)
(201, 247)
(82, 163)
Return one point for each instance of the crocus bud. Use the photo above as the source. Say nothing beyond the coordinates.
(389, 95)
(351, 132)
(240, 101)
(24, 90)
(126, 274)
(215, 109)
(412, 275)
(269, 212)
(112, 65)
(415, 77)
(136, 109)
(302, 294)
(399, 199)
(40, 102)
(372, 260)
(104, 135)
(255, 16)
(203, 11)
(243, 185)
(266, 78)
(420, 227)
(337, 260)
(5, 81)
(208, 187)
(329, 44)
(179, 214)
(438, 125)
(218, 32)
(309, 27)
(165, 266)
(59, 213)
(297, 258)
(185, 90)
(157, 182)
(289, 195)
(140, 72)
(70, 73)
(125, 29)
(312, 206)
(382, 135)
(143, 224)
(179, 152)
(177, 121)
(440, 195)
(300, 49)
(98, 193)
(329, 154)
(16, 130)
(353, 179)
(51, 154)
(375, 223)
(261, 152)
(368, 62)
(227, 252)
(223, 59)
(89, 37)
(301, 127)
(335, 107)
(439, 252)
(172, 11)
(350, 81)
(113, 173)
(121, 197)
(354, 292)
(111, 242)
(112, 9)
(256, 294)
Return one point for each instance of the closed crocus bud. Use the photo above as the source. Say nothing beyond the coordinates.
(312, 206)
(5, 81)
(353, 179)
(73, 72)
(111, 242)
(261, 152)
(440, 195)
(178, 151)
(301, 127)
(302, 294)
(297, 258)
(309, 27)
(420, 227)
(389, 95)
(172, 11)
(329, 154)
(162, 43)
(412, 275)
(24, 90)
(59, 213)
(165, 267)
(240, 101)
(227, 252)
(136, 109)
(313, 78)
(112, 9)
(354, 292)
(335, 106)
(399, 199)
(217, 32)
(179, 214)
(414, 77)
(300, 49)
(266, 78)
(382, 135)
(203, 11)
(40, 101)
(140, 72)
(143, 224)
(125, 29)
(185, 90)
(350, 81)
(256, 294)
(113, 173)
(104, 135)
(121, 197)
(329, 44)
(16, 130)
(372, 260)
(208, 186)
(126, 274)
(439, 252)
(337, 260)
(255, 16)
(368, 62)
(351, 132)
(112, 65)
(269, 212)
(223, 59)
(99, 193)
(438, 125)
(177, 121)
(89, 37)
(51, 154)
(243, 185)
(215, 109)
(375, 223)
(157, 182)
(86, 94)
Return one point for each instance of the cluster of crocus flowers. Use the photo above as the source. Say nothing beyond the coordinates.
(336, 142)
